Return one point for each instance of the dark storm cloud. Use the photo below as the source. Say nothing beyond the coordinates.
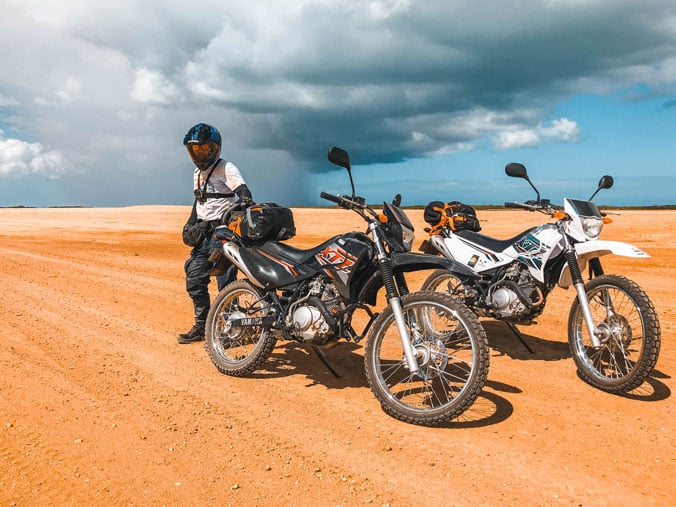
(112, 86)
(393, 84)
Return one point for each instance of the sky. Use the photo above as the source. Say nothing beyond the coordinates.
(430, 98)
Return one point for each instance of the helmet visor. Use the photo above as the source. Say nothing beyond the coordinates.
(202, 152)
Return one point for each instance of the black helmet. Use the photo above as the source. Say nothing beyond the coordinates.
(203, 143)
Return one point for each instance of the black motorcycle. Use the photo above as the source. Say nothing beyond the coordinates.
(426, 355)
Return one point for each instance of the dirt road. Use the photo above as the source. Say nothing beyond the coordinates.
(100, 406)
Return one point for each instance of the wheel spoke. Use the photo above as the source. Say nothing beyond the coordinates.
(389, 372)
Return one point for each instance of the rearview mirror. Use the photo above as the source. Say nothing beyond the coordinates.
(606, 181)
(339, 157)
(516, 170)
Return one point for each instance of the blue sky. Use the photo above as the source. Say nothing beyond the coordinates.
(431, 98)
(632, 141)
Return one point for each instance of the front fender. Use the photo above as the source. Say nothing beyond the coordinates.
(407, 262)
(598, 248)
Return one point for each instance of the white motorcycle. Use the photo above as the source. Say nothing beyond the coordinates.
(613, 329)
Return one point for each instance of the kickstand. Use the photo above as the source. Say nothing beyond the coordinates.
(518, 334)
(322, 358)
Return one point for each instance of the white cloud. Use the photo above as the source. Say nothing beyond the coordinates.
(21, 158)
(202, 90)
(7, 101)
(70, 90)
(152, 87)
(385, 8)
(64, 95)
(563, 129)
(454, 148)
(516, 139)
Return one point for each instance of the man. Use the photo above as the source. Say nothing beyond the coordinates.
(217, 186)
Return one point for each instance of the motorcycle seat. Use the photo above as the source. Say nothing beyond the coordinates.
(496, 245)
(289, 252)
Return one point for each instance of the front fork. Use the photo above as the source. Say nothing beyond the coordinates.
(578, 283)
(595, 268)
(385, 267)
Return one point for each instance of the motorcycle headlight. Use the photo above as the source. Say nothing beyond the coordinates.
(407, 236)
(398, 228)
(592, 226)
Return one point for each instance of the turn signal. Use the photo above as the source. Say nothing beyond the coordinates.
(607, 220)
(382, 218)
(559, 215)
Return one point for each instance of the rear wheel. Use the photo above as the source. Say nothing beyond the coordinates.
(445, 282)
(630, 340)
(234, 348)
(452, 354)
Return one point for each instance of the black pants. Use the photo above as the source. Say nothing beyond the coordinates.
(197, 278)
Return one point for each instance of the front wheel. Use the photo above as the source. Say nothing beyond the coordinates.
(452, 353)
(234, 345)
(630, 339)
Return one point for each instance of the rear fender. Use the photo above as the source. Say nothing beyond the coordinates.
(408, 262)
(599, 248)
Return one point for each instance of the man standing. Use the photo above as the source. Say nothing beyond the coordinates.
(217, 186)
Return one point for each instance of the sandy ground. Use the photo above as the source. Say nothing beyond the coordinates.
(100, 406)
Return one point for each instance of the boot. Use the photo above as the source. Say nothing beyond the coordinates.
(196, 334)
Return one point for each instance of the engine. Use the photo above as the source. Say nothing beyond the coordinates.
(311, 318)
(517, 295)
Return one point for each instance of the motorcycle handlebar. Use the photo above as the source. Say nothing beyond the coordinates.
(355, 204)
(542, 206)
(330, 197)
(339, 200)
(524, 205)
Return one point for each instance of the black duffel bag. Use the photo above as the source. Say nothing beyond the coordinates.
(462, 217)
(434, 211)
(261, 222)
(458, 216)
